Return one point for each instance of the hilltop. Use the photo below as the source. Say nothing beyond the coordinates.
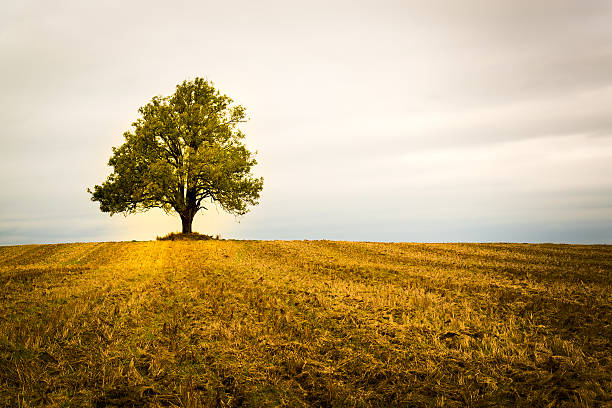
(305, 323)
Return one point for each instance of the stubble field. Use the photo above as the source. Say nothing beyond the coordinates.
(305, 323)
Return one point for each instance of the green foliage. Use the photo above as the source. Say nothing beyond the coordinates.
(184, 150)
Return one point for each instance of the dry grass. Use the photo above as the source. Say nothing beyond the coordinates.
(319, 323)
(190, 236)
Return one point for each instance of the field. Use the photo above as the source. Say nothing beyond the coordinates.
(305, 323)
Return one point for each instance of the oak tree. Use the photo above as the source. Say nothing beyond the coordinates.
(183, 152)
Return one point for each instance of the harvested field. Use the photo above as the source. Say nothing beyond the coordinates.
(305, 323)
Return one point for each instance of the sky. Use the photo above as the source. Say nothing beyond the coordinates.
(412, 121)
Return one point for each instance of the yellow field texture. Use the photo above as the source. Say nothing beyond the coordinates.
(305, 323)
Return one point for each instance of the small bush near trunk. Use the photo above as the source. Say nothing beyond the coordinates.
(192, 236)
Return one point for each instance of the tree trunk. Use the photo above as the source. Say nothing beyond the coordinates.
(186, 220)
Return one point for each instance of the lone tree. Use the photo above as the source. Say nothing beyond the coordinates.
(184, 151)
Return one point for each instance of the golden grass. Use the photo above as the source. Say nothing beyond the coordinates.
(316, 323)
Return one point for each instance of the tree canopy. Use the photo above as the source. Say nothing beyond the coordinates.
(184, 151)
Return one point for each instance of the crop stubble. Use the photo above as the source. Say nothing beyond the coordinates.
(305, 323)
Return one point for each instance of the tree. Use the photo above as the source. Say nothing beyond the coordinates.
(183, 152)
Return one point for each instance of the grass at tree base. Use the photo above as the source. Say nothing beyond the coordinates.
(189, 236)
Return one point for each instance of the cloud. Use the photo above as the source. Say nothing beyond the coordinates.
(469, 120)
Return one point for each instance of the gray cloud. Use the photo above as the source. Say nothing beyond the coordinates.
(374, 120)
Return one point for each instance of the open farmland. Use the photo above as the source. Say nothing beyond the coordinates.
(305, 323)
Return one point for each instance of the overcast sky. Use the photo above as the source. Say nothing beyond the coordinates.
(378, 120)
